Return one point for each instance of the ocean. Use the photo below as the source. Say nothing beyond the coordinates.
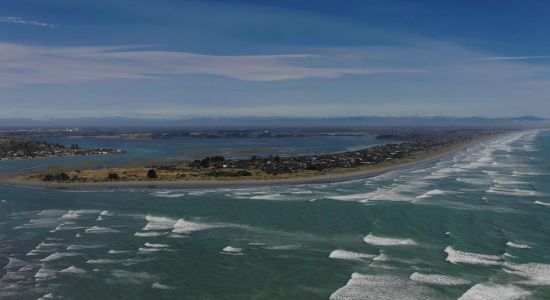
(474, 225)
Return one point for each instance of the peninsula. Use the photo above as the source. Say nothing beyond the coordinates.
(297, 169)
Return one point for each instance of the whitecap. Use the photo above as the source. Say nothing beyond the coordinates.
(512, 192)
(160, 286)
(381, 257)
(186, 227)
(349, 255)
(100, 230)
(455, 256)
(519, 246)
(168, 194)
(158, 223)
(73, 270)
(103, 261)
(269, 197)
(151, 245)
(491, 291)
(387, 241)
(83, 247)
(535, 273)
(59, 255)
(437, 279)
(230, 249)
(376, 287)
(118, 251)
(44, 273)
(431, 193)
(542, 203)
(147, 249)
(148, 234)
(14, 263)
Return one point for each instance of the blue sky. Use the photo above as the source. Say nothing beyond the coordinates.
(168, 58)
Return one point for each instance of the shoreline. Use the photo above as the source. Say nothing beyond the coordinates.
(196, 184)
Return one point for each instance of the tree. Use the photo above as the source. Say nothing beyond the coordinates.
(63, 176)
(49, 177)
(113, 176)
(152, 174)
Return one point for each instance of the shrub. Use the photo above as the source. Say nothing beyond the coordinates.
(152, 174)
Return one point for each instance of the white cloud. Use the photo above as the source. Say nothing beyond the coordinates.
(19, 20)
(23, 64)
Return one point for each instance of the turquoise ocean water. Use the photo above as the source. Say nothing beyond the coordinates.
(475, 225)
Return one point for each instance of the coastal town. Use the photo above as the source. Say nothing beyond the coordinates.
(16, 149)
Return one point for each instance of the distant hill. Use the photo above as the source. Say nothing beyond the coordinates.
(280, 122)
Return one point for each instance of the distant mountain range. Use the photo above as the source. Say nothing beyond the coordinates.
(280, 122)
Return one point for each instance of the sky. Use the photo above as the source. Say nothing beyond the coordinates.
(177, 58)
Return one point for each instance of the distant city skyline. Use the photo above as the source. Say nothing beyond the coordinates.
(169, 59)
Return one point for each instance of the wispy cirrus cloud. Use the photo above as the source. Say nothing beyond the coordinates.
(516, 57)
(24, 64)
(19, 20)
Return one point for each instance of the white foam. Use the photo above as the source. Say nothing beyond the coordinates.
(431, 193)
(158, 223)
(381, 257)
(59, 255)
(354, 197)
(45, 272)
(146, 249)
(150, 245)
(473, 181)
(64, 226)
(82, 247)
(455, 256)
(542, 203)
(186, 227)
(100, 230)
(437, 279)
(118, 251)
(269, 197)
(148, 234)
(230, 249)
(535, 273)
(71, 214)
(160, 286)
(512, 192)
(105, 213)
(73, 270)
(103, 261)
(376, 287)
(490, 291)
(349, 255)
(387, 241)
(48, 246)
(47, 296)
(168, 194)
(519, 246)
(14, 263)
